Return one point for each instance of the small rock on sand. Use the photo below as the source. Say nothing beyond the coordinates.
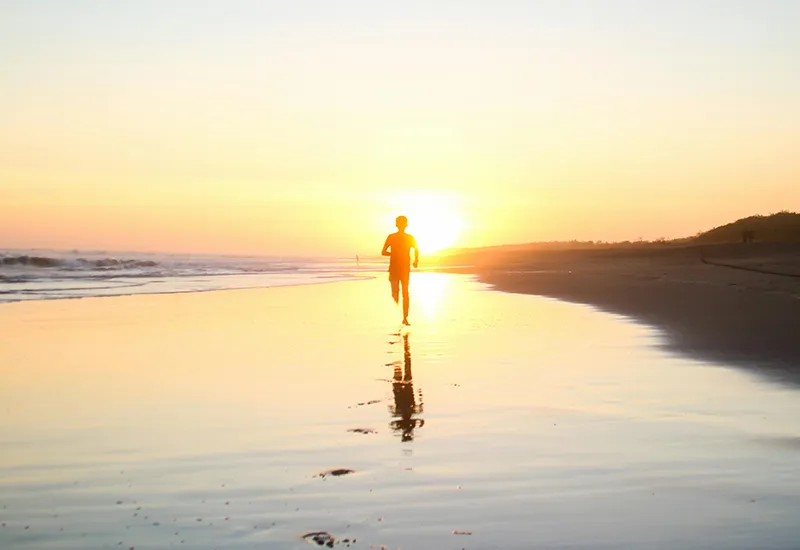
(336, 473)
(322, 538)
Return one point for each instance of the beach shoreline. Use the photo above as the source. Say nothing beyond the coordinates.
(732, 304)
(253, 417)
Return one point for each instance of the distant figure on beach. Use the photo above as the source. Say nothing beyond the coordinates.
(398, 247)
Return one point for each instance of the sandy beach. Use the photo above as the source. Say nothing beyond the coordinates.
(729, 303)
(253, 418)
(212, 214)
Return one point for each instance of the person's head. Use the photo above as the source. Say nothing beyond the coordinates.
(401, 222)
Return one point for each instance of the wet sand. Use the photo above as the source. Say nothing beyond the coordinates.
(731, 304)
(289, 417)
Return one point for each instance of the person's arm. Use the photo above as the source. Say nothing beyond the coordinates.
(386, 246)
(416, 253)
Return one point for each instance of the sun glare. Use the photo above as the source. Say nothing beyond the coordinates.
(429, 290)
(432, 219)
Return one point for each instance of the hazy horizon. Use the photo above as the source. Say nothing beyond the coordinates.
(303, 128)
(364, 255)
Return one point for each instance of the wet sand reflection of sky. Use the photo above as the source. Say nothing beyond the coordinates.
(217, 413)
(428, 291)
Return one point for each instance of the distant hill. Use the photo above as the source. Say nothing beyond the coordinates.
(783, 227)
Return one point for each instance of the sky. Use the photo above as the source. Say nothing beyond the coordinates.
(300, 127)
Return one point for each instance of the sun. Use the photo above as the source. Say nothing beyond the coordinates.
(432, 218)
(434, 230)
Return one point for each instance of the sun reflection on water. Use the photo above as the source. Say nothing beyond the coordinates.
(428, 291)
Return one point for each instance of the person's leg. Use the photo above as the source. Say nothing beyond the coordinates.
(405, 297)
(395, 282)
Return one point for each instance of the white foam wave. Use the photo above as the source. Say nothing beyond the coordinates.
(38, 275)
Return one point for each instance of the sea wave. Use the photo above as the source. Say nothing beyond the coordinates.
(45, 275)
(50, 262)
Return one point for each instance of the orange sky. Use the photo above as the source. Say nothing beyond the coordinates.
(265, 128)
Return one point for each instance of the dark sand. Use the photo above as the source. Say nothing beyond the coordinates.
(734, 304)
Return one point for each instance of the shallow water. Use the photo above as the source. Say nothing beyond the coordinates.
(204, 421)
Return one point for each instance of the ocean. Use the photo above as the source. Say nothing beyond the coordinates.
(53, 274)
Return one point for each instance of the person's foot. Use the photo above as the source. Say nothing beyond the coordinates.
(406, 323)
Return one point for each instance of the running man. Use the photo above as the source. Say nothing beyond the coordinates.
(398, 247)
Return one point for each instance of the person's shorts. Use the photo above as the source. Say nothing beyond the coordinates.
(399, 275)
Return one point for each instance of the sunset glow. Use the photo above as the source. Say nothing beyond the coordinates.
(272, 128)
(433, 219)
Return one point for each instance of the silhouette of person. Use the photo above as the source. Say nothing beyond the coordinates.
(405, 404)
(398, 247)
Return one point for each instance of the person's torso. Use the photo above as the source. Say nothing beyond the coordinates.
(401, 244)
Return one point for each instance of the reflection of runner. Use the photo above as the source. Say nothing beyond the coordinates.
(398, 247)
(405, 404)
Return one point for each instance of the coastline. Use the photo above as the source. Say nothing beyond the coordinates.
(724, 304)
